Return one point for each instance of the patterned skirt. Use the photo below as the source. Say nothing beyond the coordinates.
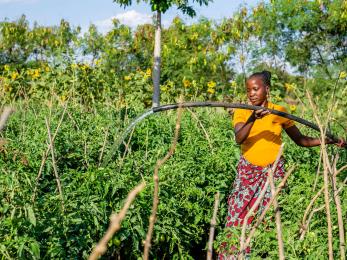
(247, 186)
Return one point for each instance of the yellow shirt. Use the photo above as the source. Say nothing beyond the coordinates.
(264, 140)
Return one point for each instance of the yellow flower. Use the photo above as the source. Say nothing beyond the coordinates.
(292, 108)
(85, 67)
(127, 78)
(186, 83)
(233, 83)
(7, 88)
(97, 62)
(14, 75)
(47, 69)
(211, 84)
(290, 87)
(169, 84)
(163, 88)
(7, 67)
(214, 67)
(74, 66)
(193, 60)
(343, 74)
(146, 74)
(35, 74)
(194, 36)
(211, 90)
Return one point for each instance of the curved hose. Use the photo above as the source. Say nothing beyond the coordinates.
(241, 106)
(211, 104)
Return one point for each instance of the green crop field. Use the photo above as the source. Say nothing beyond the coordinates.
(64, 168)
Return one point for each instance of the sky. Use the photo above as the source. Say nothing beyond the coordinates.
(101, 12)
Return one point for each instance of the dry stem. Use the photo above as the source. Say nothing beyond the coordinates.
(51, 144)
(339, 212)
(318, 169)
(257, 202)
(127, 146)
(103, 148)
(326, 199)
(213, 225)
(45, 154)
(249, 214)
(326, 167)
(153, 216)
(4, 117)
(85, 153)
(260, 219)
(304, 223)
(305, 227)
(115, 223)
(311, 215)
(202, 127)
(277, 217)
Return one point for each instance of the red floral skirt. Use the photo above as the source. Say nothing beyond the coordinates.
(247, 186)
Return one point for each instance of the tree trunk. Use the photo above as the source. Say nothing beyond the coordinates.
(157, 61)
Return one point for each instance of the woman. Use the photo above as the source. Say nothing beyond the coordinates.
(259, 134)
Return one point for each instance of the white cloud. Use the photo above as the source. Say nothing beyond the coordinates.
(130, 18)
(133, 18)
(18, 1)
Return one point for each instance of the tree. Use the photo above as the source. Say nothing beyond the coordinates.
(159, 7)
(93, 43)
(14, 47)
(307, 34)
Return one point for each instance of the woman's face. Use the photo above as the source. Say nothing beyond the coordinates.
(256, 91)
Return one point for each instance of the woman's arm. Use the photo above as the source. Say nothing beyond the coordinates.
(242, 130)
(306, 141)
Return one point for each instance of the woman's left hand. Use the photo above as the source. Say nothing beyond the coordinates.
(340, 142)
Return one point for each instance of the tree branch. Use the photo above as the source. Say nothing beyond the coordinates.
(115, 223)
(213, 225)
(152, 218)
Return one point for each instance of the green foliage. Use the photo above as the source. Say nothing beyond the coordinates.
(21, 44)
(163, 6)
(308, 34)
(91, 193)
(105, 80)
(188, 182)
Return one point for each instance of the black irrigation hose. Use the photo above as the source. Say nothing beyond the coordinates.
(210, 104)
(242, 106)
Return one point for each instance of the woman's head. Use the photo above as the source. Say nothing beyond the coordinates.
(258, 87)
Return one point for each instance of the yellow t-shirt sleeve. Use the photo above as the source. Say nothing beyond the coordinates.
(286, 122)
(239, 116)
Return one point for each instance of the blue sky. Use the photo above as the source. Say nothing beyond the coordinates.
(101, 12)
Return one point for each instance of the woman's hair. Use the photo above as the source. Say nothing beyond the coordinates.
(265, 76)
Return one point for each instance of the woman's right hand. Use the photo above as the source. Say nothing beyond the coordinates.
(260, 113)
